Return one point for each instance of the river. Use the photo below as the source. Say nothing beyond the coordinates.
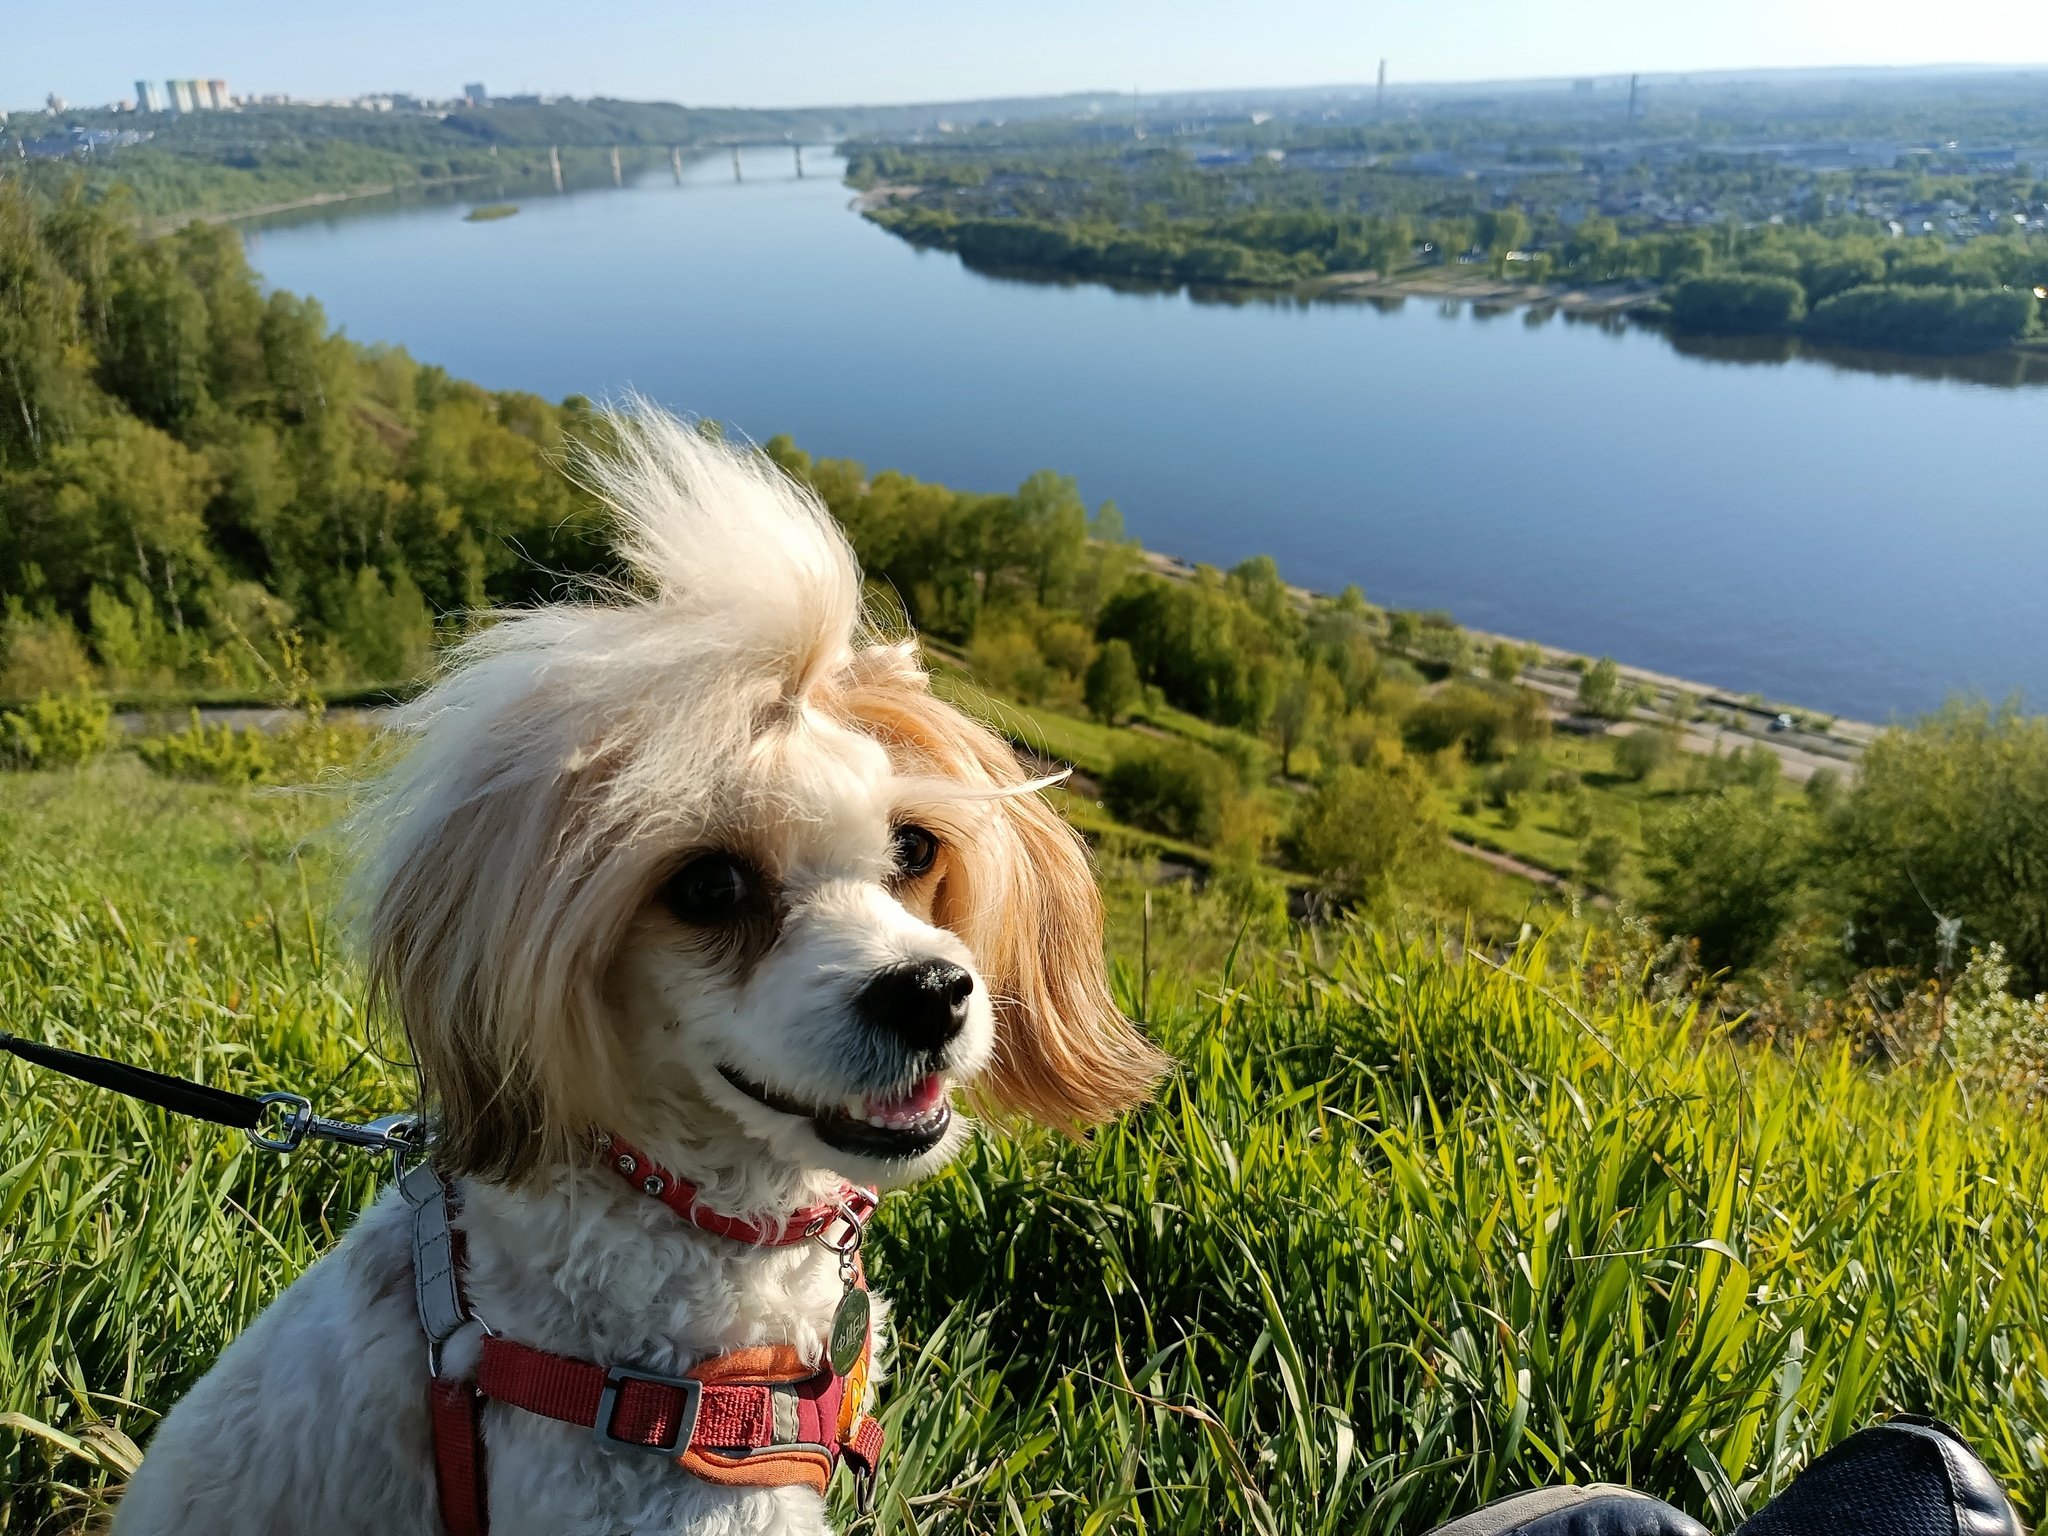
(1859, 539)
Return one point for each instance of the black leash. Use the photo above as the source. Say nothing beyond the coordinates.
(396, 1134)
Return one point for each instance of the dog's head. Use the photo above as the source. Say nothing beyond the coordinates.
(703, 864)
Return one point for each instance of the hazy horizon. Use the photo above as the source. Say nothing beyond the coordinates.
(815, 54)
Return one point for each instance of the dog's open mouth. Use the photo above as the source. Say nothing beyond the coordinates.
(904, 1124)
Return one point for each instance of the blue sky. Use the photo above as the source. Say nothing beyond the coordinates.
(814, 52)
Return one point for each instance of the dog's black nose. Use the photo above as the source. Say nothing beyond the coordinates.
(923, 1004)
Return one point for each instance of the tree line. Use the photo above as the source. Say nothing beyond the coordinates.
(1909, 294)
(252, 157)
(1917, 295)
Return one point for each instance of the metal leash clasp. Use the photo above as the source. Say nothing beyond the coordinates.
(842, 1230)
(397, 1134)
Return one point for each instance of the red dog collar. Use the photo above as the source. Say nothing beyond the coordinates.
(853, 1207)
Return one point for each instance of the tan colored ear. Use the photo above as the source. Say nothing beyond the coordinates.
(479, 1086)
(1065, 1055)
(1022, 895)
(489, 939)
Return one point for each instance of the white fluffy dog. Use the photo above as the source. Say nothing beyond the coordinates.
(706, 868)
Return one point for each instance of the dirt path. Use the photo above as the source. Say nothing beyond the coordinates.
(1507, 864)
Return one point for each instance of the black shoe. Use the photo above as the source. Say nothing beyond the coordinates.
(1597, 1509)
(1906, 1477)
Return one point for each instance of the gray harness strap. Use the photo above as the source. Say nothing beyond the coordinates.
(436, 1287)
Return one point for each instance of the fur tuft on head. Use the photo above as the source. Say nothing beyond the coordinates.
(722, 540)
(571, 755)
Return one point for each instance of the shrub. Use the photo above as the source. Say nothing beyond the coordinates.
(215, 754)
(1914, 319)
(1505, 661)
(1066, 646)
(57, 730)
(1441, 641)
(1365, 828)
(1641, 753)
(1516, 777)
(1755, 766)
(312, 748)
(1841, 273)
(1484, 721)
(1576, 814)
(1247, 756)
(1749, 302)
(40, 656)
(1172, 787)
(1726, 870)
(1600, 858)
(1008, 660)
(1992, 1035)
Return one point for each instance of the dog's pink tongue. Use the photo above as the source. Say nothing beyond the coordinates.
(921, 1100)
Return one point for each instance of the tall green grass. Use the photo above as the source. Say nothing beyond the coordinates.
(1411, 1227)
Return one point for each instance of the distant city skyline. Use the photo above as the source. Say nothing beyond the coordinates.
(814, 53)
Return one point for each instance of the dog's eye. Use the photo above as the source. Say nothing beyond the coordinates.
(714, 888)
(916, 851)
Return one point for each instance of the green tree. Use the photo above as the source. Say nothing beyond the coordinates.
(1111, 686)
(43, 394)
(1947, 818)
(1202, 643)
(1726, 870)
(1307, 697)
(1738, 302)
(1338, 635)
(1600, 689)
(1365, 829)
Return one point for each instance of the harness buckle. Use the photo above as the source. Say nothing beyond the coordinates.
(617, 1377)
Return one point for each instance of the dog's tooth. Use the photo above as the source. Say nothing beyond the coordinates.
(878, 1122)
(856, 1105)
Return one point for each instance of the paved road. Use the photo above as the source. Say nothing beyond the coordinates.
(1802, 752)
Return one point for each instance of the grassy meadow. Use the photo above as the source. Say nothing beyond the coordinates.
(1417, 1222)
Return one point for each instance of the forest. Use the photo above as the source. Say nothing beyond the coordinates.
(208, 493)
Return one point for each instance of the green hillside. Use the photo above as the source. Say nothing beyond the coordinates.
(1417, 1222)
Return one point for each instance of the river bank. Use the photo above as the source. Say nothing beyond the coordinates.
(174, 222)
(1714, 719)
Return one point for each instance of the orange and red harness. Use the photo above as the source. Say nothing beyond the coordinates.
(750, 1418)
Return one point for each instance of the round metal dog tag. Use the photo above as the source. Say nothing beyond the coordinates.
(849, 1331)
